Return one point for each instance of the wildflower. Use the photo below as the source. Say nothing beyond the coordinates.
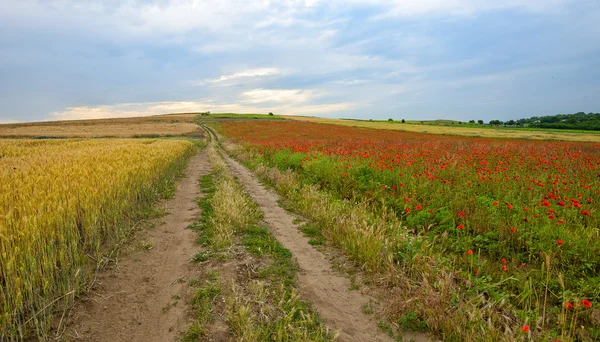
(561, 203)
(586, 303)
(504, 268)
(568, 305)
(525, 328)
(476, 272)
(495, 204)
(559, 242)
(526, 209)
(504, 261)
(512, 229)
(470, 252)
(522, 265)
(460, 226)
(384, 187)
(419, 207)
(585, 212)
(461, 214)
(509, 206)
(407, 210)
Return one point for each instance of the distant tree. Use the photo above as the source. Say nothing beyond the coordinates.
(271, 114)
(510, 122)
(471, 121)
(390, 119)
(403, 121)
(460, 122)
(496, 122)
(480, 122)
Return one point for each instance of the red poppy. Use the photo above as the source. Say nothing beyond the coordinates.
(384, 187)
(407, 210)
(419, 207)
(460, 226)
(509, 206)
(561, 203)
(504, 268)
(476, 272)
(568, 305)
(503, 261)
(559, 242)
(526, 209)
(470, 252)
(512, 229)
(585, 212)
(495, 204)
(525, 328)
(522, 265)
(461, 214)
(586, 303)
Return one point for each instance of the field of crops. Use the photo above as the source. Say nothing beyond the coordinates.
(503, 235)
(64, 202)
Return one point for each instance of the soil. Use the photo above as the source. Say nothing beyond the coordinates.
(144, 297)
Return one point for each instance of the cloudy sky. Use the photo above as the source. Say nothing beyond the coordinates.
(425, 59)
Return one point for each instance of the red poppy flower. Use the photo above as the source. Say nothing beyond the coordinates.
(495, 204)
(461, 214)
(476, 272)
(407, 210)
(586, 303)
(419, 207)
(512, 229)
(561, 203)
(460, 226)
(504, 268)
(522, 265)
(470, 252)
(585, 212)
(568, 305)
(525, 328)
(509, 206)
(559, 242)
(503, 261)
(526, 209)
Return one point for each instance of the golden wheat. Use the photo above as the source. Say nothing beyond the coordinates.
(61, 203)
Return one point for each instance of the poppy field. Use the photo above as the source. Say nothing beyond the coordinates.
(505, 230)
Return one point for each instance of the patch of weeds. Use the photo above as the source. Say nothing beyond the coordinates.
(354, 285)
(145, 245)
(200, 257)
(367, 308)
(259, 241)
(202, 304)
(411, 322)
(385, 326)
(314, 233)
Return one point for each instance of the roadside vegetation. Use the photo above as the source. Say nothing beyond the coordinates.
(64, 205)
(250, 279)
(476, 239)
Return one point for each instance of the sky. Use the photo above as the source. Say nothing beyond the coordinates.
(370, 59)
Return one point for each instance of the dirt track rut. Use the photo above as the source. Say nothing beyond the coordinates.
(135, 302)
(328, 291)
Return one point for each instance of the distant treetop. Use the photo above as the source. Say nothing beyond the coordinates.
(580, 120)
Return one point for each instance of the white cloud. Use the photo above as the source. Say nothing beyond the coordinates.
(7, 121)
(154, 108)
(237, 76)
(277, 95)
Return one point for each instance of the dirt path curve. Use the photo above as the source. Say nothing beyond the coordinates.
(325, 289)
(135, 301)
